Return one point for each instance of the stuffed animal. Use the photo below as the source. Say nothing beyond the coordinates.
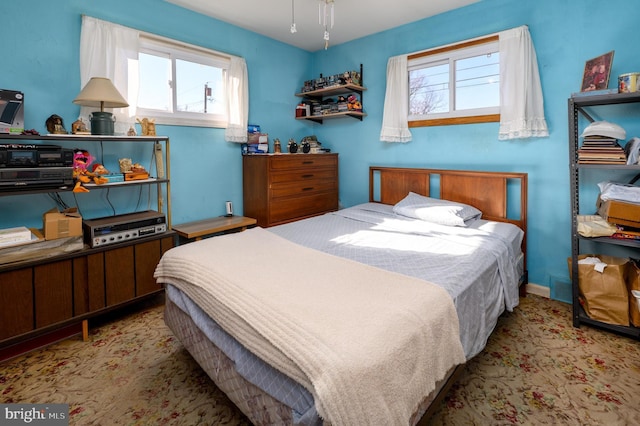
(353, 104)
(81, 161)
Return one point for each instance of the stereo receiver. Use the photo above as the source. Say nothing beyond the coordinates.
(21, 155)
(39, 177)
(124, 227)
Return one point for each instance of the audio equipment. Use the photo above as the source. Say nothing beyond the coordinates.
(124, 227)
(32, 155)
(39, 177)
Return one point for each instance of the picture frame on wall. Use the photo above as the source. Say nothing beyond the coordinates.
(596, 73)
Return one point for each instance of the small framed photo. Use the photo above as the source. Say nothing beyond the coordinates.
(596, 73)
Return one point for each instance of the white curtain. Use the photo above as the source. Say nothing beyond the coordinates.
(105, 51)
(521, 102)
(395, 127)
(237, 87)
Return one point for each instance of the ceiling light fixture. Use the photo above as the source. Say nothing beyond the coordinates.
(325, 15)
(293, 19)
(325, 18)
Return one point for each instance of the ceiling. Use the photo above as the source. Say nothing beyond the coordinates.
(353, 19)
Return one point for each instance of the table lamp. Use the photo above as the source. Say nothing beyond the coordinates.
(100, 92)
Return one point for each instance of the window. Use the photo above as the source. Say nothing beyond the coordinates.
(455, 84)
(180, 84)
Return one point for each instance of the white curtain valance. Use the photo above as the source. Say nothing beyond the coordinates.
(521, 101)
(237, 87)
(395, 126)
(105, 51)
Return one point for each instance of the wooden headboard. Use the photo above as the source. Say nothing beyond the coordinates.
(486, 191)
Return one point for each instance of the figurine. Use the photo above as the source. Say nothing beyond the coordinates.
(131, 132)
(292, 146)
(148, 127)
(78, 127)
(125, 165)
(55, 125)
(276, 146)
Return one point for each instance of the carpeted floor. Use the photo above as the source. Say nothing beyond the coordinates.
(536, 369)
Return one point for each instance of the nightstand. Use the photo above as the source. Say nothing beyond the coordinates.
(194, 231)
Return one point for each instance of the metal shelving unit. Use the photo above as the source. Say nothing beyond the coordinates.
(576, 106)
(164, 200)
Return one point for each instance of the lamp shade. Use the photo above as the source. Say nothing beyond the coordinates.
(100, 92)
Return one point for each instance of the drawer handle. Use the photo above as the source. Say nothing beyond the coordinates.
(307, 176)
(308, 189)
(308, 162)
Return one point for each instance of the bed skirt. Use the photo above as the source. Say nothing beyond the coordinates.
(256, 404)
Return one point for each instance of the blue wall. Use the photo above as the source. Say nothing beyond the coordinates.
(206, 170)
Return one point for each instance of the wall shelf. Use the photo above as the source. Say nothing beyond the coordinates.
(342, 89)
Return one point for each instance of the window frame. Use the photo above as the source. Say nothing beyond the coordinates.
(451, 53)
(174, 50)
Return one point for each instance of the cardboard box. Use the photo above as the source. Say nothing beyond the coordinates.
(67, 223)
(619, 213)
(11, 112)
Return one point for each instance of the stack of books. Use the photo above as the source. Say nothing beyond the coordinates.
(627, 233)
(601, 150)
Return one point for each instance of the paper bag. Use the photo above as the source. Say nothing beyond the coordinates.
(604, 295)
(634, 284)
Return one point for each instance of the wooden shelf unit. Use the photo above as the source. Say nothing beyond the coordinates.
(320, 94)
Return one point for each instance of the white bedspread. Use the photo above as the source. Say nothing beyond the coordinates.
(476, 265)
(368, 344)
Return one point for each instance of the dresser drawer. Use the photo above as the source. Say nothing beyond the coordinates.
(302, 187)
(310, 175)
(294, 208)
(298, 161)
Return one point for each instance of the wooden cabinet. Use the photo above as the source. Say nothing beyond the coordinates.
(47, 294)
(41, 296)
(281, 188)
(16, 302)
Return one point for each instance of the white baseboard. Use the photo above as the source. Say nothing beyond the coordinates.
(539, 290)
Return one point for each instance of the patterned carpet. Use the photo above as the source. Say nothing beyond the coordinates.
(536, 369)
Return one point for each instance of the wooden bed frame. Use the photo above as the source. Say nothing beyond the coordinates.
(487, 191)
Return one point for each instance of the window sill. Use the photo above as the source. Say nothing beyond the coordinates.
(489, 118)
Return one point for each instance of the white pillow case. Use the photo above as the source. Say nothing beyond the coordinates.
(435, 210)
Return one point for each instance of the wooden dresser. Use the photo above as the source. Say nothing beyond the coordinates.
(281, 188)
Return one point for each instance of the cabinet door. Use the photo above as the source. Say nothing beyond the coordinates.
(53, 289)
(88, 284)
(16, 302)
(119, 271)
(147, 258)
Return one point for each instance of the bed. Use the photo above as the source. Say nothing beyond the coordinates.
(360, 316)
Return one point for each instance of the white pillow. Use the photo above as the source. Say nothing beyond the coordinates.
(435, 210)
